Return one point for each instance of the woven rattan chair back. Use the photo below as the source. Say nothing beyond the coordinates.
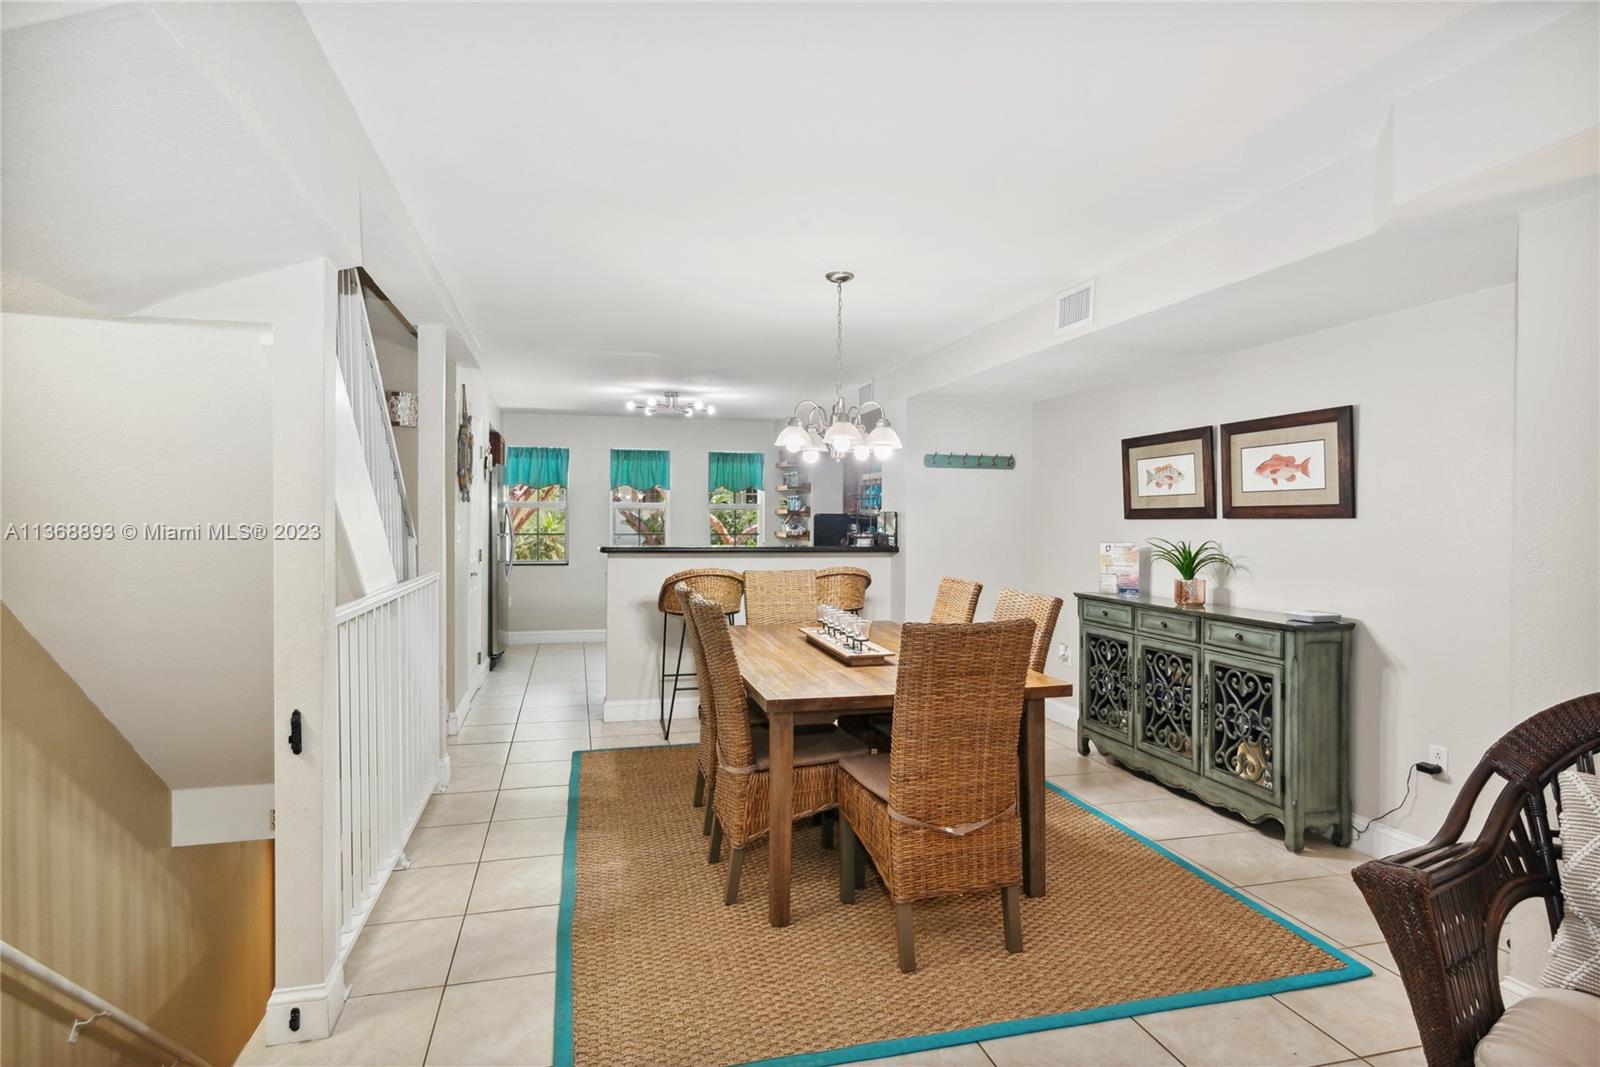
(721, 683)
(956, 601)
(1441, 905)
(1043, 610)
(843, 587)
(708, 707)
(780, 596)
(957, 711)
(722, 587)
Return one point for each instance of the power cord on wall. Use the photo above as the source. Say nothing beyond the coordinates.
(1421, 765)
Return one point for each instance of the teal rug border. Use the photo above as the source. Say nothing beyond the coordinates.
(1351, 970)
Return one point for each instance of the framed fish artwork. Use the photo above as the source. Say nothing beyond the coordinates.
(1300, 466)
(1170, 475)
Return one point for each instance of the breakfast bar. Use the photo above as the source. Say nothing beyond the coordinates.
(633, 580)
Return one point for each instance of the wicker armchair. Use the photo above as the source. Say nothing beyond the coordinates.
(1441, 905)
(1043, 610)
(956, 601)
(739, 797)
(726, 589)
(938, 812)
(843, 587)
(780, 596)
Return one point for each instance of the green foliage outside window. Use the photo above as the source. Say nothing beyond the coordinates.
(735, 517)
(538, 533)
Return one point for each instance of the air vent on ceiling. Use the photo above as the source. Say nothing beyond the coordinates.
(1075, 306)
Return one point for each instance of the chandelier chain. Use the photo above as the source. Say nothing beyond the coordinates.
(838, 344)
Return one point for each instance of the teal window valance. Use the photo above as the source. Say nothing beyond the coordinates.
(736, 471)
(536, 466)
(641, 468)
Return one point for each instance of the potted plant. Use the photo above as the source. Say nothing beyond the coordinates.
(1189, 590)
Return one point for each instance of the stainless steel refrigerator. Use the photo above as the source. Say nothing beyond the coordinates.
(501, 549)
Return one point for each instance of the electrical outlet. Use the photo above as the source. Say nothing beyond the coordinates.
(1440, 755)
(1062, 654)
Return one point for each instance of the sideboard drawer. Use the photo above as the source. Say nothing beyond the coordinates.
(1108, 614)
(1246, 638)
(1165, 625)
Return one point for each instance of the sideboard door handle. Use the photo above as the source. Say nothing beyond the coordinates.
(1238, 636)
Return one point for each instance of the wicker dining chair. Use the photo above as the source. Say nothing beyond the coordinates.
(726, 589)
(1441, 905)
(938, 812)
(1043, 610)
(843, 587)
(740, 796)
(780, 596)
(956, 601)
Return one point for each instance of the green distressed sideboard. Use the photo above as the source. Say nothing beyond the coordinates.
(1248, 710)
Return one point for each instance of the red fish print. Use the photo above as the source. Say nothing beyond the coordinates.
(1278, 466)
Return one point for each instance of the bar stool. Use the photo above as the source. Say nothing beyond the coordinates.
(843, 587)
(723, 588)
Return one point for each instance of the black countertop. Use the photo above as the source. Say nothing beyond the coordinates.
(786, 550)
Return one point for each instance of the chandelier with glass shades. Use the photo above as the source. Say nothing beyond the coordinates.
(839, 431)
(672, 404)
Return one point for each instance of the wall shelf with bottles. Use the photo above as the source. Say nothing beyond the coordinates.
(794, 501)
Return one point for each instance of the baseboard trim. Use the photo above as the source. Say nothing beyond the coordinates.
(452, 723)
(217, 814)
(639, 710)
(320, 1006)
(1514, 989)
(443, 774)
(1381, 840)
(554, 637)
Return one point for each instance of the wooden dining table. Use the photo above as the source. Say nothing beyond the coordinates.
(796, 684)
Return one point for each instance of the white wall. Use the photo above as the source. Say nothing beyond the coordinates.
(1424, 568)
(572, 596)
(469, 536)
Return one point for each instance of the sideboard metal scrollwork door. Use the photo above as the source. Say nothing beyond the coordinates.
(1168, 701)
(1243, 717)
(1108, 674)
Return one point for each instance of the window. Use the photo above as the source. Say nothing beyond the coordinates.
(735, 499)
(538, 530)
(735, 517)
(640, 484)
(536, 504)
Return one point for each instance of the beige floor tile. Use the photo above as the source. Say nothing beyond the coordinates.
(542, 802)
(389, 957)
(529, 775)
(505, 698)
(1379, 953)
(388, 1030)
(1242, 1032)
(1367, 1016)
(485, 735)
(1109, 787)
(1171, 817)
(478, 755)
(642, 727)
(577, 712)
(497, 687)
(679, 737)
(1336, 859)
(531, 882)
(535, 752)
(954, 1056)
(548, 748)
(508, 1021)
(453, 809)
(562, 730)
(424, 893)
(493, 715)
(557, 692)
(1064, 761)
(1411, 1057)
(505, 944)
(1331, 903)
(1246, 859)
(441, 846)
(1117, 1043)
(516, 838)
(475, 779)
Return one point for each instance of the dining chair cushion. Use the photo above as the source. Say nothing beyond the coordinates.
(809, 748)
(871, 771)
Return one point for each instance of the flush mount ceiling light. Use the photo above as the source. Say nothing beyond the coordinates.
(839, 430)
(671, 404)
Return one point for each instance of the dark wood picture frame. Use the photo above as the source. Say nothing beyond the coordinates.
(1208, 475)
(1343, 419)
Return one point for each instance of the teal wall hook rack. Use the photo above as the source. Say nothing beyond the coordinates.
(979, 461)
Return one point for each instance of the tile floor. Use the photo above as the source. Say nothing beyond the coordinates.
(456, 965)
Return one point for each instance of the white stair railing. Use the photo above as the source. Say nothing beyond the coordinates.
(388, 729)
(358, 360)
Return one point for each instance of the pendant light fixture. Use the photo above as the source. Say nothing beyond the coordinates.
(839, 430)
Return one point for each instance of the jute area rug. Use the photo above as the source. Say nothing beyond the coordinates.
(653, 969)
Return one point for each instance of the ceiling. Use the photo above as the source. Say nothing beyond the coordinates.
(625, 199)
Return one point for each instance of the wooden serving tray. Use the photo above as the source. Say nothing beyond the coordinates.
(871, 655)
